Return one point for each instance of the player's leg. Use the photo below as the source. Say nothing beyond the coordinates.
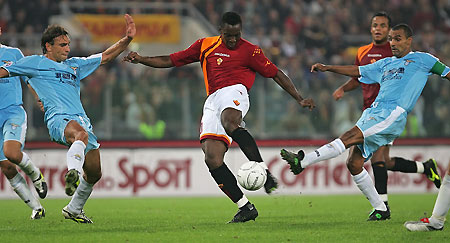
(380, 171)
(298, 162)
(355, 165)
(214, 151)
(231, 119)
(429, 168)
(92, 168)
(233, 102)
(440, 210)
(15, 128)
(77, 137)
(21, 188)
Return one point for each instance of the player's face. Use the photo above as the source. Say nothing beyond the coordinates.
(379, 29)
(400, 45)
(60, 49)
(231, 34)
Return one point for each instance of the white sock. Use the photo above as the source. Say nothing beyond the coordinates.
(20, 186)
(325, 152)
(80, 197)
(384, 197)
(75, 156)
(420, 167)
(364, 183)
(442, 204)
(27, 166)
(242, 201)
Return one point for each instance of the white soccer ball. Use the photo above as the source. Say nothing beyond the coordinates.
(252, 176)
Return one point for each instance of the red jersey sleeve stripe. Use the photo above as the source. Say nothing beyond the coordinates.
(363, 50)
(208, 45)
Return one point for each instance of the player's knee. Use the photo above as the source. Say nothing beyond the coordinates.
(8, 169)
(14, 156)
(83, 136)
(378, 164)
(354, 167)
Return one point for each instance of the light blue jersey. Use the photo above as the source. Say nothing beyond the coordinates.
(10, 88)
(56, 84)
(402, 79)
(401, 83)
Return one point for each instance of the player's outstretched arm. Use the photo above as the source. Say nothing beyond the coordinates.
(156, 62)
(3, 73)
(348, 70)
(113, 51)
(351, 84)
(286, 83)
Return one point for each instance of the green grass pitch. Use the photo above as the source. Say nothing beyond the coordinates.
(336, 218)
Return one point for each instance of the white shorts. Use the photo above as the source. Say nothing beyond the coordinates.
(235, 97)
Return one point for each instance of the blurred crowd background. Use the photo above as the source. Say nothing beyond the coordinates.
(166, 104)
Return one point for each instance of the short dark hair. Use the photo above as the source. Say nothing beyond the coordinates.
(383, 14)
(50, 34)
(406, 29)
(231, 18)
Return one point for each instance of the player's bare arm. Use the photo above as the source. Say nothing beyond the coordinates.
(3, 73)
(348, 70)
(350, 85)
(38, 101)
(286, 83)
(156, 62)
(113, 51)
(447, 76)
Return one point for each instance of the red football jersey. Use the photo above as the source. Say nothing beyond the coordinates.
(224, 67)
(366, 55)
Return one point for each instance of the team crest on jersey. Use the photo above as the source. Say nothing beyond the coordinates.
(236, 102)
(407, 62)
(74, 69)
(219, 61)
(7, 63)
(373, 60)
(14, 126)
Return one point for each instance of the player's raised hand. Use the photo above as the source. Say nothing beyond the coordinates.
(319, 67)
(130, 26)
(308, 103)
(338, 93)
(132, 57)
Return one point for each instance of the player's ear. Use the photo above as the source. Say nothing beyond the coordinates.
(48, 46)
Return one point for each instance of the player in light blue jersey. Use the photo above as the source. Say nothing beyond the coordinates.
(401, 78)
(13, 124)
(56, 81)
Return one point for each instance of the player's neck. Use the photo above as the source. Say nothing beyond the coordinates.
(50, 57)
(380, 43)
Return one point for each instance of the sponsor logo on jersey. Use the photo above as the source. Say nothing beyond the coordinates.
(374, 55)
(221, 54)
(219, 61)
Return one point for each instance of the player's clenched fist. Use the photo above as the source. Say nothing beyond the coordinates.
(307, 103)
(132, 57)
(319, 67)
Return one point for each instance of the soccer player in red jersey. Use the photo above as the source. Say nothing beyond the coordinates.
(229, 65)
(381, 161)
